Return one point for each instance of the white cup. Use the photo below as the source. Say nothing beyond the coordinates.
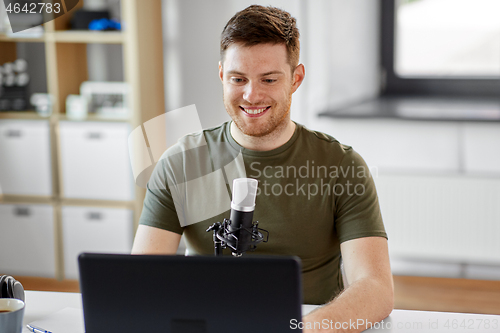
(12, 319)
(76, 107)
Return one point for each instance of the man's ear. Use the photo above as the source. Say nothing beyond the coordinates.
(298, 76)
(221, 72)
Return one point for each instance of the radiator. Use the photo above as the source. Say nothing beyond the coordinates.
(453, 219)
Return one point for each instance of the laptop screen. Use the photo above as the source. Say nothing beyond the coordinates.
(179, 294)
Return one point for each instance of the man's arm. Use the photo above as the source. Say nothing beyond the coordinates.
(370, 292)
(151, 240)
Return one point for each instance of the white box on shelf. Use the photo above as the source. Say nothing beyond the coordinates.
(95, 161)
(106, 99)
(25, 161)
(93, 229)
(27, 240)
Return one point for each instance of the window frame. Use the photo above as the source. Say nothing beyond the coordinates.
(392, 84)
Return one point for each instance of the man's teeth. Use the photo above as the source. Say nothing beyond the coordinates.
(255, 111)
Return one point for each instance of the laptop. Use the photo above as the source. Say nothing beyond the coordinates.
(183, 294)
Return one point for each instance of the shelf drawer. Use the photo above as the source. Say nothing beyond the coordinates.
(95, 161)
(92, 229)
(25, 167)
(27, 240)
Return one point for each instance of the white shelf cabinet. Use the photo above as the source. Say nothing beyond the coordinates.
(94, 229)
(27, 240)
(62, 163)
(25, 165)
(95, 161)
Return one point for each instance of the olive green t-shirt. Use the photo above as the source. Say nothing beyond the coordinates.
(314, 193)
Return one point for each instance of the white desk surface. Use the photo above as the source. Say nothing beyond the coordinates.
(40, 304)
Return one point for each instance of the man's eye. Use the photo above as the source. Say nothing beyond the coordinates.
(270, 80)
(236, 79)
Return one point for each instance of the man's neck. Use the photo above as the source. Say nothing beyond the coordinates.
(273, 140)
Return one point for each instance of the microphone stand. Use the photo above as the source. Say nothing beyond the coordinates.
(223, 237)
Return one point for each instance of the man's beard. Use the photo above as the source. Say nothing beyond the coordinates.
(276, 121)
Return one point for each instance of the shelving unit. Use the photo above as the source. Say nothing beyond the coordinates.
(66, 68)
(5, 38)
(108, 37)
(32, 115)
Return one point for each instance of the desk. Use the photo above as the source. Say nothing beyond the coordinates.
(40, 304)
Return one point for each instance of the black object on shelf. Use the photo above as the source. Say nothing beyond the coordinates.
(14, 80)
(82, 18)
(13, 99)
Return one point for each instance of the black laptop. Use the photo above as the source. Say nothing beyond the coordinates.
(197, 294)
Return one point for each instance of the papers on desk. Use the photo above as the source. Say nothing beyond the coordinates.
(306, 308)
(67, 320)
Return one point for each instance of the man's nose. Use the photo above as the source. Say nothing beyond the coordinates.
(253, 93)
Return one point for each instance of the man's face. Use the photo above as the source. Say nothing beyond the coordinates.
(258, 87)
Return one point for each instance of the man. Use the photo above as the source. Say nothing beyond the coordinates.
(316, 196)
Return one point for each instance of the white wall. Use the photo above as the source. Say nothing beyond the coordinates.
(339, 50)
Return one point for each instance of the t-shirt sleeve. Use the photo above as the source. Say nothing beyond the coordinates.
(158, 208)
(357, 210)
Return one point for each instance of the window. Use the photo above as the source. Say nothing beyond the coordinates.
(441, 47)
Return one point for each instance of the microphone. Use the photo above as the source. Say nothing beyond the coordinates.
(242, 208)
(239, 233)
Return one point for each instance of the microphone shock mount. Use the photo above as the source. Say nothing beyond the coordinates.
(223, 237)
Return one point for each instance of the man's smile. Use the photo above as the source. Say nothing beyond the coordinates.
(255, 111)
